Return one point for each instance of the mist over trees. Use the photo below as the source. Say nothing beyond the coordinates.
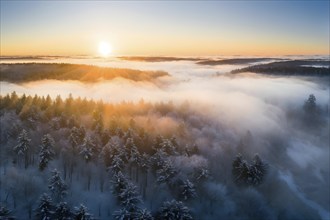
(75, 158)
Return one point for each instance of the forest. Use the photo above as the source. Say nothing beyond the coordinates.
(84, 73)
(75, 158)
(311, 67)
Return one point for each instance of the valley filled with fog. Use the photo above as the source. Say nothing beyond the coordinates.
(198, 118)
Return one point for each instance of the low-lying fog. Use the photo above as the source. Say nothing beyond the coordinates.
(264, 105)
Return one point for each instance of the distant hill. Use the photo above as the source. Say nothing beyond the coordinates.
(292, 67)
(27, 72)
(158, 59)
(235, 61)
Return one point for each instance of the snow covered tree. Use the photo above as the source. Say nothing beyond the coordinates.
(142, 214)
(257, 170)
(62, 211)
(188, 190)
(201, 173)
(87, 149)
(74, 137)
(241, 171)
(46, 152)
(81, 213)
(57, 186)
(44, 211)
(23, 147)
(168, 147)
(123, 214)
(246, 174)
(129, 196)
(117, 164)
(119, 181)
(174, 210)
(166, 172)
(157, 159)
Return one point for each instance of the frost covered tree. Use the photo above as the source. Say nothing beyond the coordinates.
(44, 211)
(117, 164)
(81, 213)
(168, 147)
(46, 152)
(166, 172)
(87, 149)
(240, 170)
(142, 214)
(62, 211)
(188, 190)
(119, 181)
(23, 147)
(76, 136)
(174, 210)
(201, 173)
(123, 214)
(257, 170)
(129, 196)
(249, 174)
(57, 186)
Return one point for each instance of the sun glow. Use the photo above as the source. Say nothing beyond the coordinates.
(104, 49)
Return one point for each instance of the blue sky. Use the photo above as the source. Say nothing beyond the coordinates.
(165, 27)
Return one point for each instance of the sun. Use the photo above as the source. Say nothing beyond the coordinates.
(104, 48)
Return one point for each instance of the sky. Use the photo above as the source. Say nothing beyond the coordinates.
(170, 28)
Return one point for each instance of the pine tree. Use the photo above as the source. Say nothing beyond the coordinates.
(174, 210)
(168, 147)
(119, 181)
(23, 146)
(87, 149)
(246, 174)
(241, 171)
(81, 213)
(258, 170)
(98, 122)
(117, 164)
(201, 173)
(129, 196)
(45, 208)
(57, 186)
(123, 214)
(310, 105)
(142, 214)
(166, 172)
(46, 152)
(188, 190)
(74, 137)
(62, 212)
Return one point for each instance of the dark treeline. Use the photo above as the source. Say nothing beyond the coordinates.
(27, 72)
(292, 67)
(234, 61)
(158, 59)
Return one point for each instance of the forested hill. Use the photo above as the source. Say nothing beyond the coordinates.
(26, 72)
(292, 67)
